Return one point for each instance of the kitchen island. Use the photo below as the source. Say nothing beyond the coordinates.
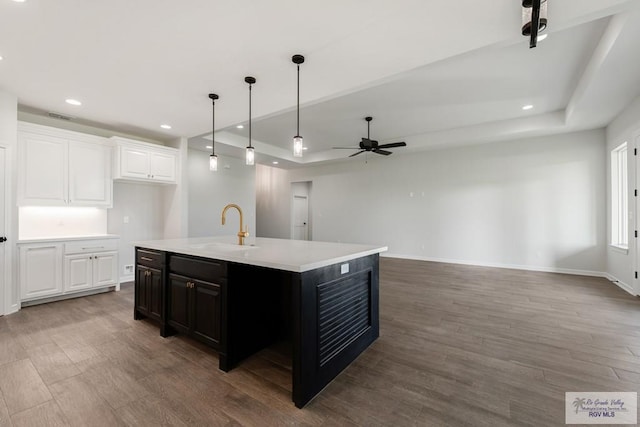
(320, 297)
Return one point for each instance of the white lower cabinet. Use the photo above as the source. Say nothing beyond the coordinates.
(85, 271)
(40, 270)
(66, 267)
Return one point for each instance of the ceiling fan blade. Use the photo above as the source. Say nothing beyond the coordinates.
(346, 148)
(393, 144)
(359, 152)
(383, 152)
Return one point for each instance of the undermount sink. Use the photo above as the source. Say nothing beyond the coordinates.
(226, 247)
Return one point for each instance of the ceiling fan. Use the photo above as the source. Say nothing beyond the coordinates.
(368, 144)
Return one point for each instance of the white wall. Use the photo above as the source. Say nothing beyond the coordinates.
(535, 203)
(177, 197)
(8, 140)
(273, 204)
(626, 127)
(143, 205)
(60, 221)
(210, 192)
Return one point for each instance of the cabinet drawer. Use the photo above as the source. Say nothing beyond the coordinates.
(207, 270)
(149, 258)
(90, 246)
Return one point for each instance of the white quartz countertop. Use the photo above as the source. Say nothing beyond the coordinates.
(36, 239)
(281, 254)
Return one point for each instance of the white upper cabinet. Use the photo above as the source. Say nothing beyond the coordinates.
(163, 167)
(141, 161)
(63, 168)
(89, 174)
(43, 169)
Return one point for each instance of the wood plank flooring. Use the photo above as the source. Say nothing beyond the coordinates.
(459, 345)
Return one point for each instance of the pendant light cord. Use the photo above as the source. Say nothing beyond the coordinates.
(250, 114)
(213, 129)
(298, 107)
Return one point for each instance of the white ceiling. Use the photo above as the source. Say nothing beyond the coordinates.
(431, 73)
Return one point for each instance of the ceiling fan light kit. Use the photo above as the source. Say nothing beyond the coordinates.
(298, 143)
(213, 159)
(250, 154)
(534, 19)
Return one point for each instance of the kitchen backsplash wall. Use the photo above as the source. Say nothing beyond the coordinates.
(58, 221)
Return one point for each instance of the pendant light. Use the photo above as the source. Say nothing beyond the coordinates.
(534, 19)
(250, 154)
(213, 159)
(297, 140)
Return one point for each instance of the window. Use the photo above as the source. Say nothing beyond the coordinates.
(619, 197)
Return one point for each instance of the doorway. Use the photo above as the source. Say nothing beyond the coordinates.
(636, 158)
(300, 210)
(3, 230)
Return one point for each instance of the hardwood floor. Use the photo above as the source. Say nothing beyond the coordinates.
(459, 345)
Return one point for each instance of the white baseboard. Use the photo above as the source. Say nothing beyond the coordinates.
(621, 284)
(498, 265)
(129, 278)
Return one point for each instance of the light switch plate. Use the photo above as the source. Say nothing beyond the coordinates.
(344, 268)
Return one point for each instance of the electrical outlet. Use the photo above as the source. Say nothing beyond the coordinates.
(128, 269)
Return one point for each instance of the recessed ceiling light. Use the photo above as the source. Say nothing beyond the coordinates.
(305, 148)
(0, 57)
(19, 1)
(527, 107)
(165, 126)
(275, 163)
(542, 37)
(209, 147)
(73, 102)
(240, 127)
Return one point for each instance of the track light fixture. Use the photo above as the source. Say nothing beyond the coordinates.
(213, 159)
(250, 154)
(297, 140)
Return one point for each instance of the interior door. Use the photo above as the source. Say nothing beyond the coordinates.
(3, 249)
(300, 218)
(637, 213)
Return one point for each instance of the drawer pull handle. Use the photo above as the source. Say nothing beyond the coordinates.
(144, 258)
(93, 247)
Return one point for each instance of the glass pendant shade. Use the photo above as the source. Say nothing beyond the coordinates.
(250, 156)
(297, 146)
(213, 163)
(527, 12)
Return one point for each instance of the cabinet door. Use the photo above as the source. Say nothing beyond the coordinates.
(163, 167)
(105, 269)
(178, 304)
(155, 293)
(134, 163)
(206, 313)
(141, 289)
(78, 272)
(89, 174)
(42, 171)
(40, 271)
